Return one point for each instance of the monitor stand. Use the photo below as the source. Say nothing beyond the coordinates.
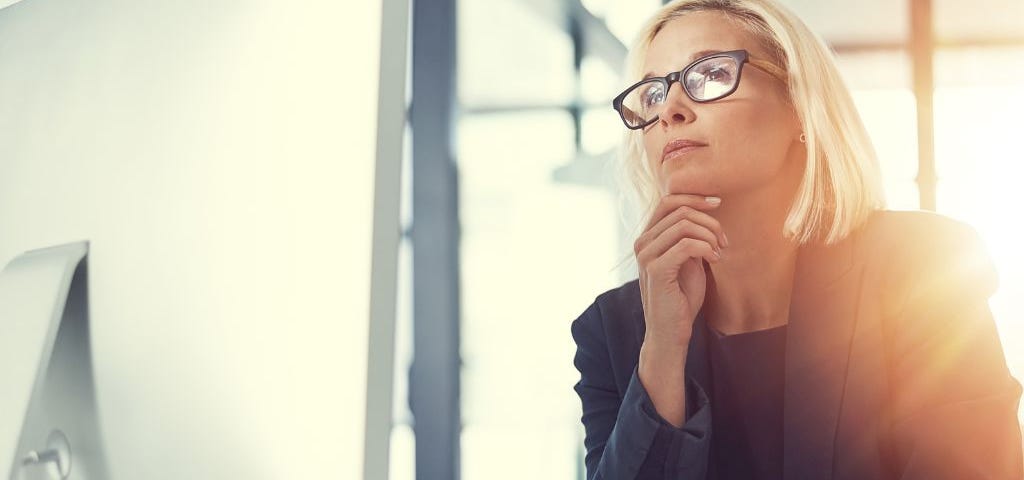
(49, 426)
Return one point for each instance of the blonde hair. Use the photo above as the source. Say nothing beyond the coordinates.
(841, 185)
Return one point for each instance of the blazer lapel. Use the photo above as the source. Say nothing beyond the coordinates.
(822, 317)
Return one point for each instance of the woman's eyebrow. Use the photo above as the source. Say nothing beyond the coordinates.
(693, 57)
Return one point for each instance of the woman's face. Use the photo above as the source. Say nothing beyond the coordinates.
(751, 136)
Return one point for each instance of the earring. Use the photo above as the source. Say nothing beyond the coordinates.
(803, 138)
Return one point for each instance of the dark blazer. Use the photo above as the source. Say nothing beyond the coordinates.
(893, 368)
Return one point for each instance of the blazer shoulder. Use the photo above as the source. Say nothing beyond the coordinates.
(621, 298)
(895, 234)
(619, 311)
(624, 299)
(918, 254)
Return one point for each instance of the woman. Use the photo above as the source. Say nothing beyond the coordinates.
(783, 325)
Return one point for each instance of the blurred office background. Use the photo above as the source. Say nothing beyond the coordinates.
(219, 155)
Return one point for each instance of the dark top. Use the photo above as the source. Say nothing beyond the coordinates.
(747, 379)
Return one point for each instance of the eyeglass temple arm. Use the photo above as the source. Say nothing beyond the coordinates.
(769, 68)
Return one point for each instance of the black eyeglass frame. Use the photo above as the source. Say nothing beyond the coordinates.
(740, 56)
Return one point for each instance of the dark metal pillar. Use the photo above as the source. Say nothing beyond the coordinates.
(575, 31)
(434, 376)
(922, 51)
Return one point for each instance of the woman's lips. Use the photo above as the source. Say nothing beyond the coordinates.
(678, 148)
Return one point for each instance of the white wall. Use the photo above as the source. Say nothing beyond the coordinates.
(218, 156)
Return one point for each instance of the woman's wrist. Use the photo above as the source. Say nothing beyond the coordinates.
(662, 357)
(661, 372)
(661, 346)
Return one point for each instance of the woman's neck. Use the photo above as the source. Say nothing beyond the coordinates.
(750, 288)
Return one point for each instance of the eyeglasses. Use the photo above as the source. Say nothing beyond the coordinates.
(707, 79)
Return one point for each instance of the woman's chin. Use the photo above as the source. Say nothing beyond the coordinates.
(688, 185)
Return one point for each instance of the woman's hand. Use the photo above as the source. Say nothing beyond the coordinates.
(669, 255)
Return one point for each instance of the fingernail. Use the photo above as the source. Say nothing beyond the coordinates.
(713, 200)
(726, 238)
(718, 254)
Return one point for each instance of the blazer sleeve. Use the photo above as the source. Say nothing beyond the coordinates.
(625, 436)
(954, 403)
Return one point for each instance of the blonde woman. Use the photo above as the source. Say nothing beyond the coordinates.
(783, 324)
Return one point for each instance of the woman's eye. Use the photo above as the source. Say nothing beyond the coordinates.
(717, 75)
(652, 96)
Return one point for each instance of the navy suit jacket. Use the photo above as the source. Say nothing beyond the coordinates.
(893, 368)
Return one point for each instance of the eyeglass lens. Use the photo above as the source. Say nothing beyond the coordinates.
(708, 80)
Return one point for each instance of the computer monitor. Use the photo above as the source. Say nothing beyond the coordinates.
(219, 158)
(49, 426)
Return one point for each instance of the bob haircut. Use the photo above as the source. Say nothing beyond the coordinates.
(841, 185)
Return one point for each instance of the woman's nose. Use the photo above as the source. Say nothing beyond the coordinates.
(676, 108)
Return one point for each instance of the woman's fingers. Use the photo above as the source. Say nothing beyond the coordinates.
(675, 207)
(653, 258)
(708, 225)
(668, 265)
(675, 233)
(673, 201)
